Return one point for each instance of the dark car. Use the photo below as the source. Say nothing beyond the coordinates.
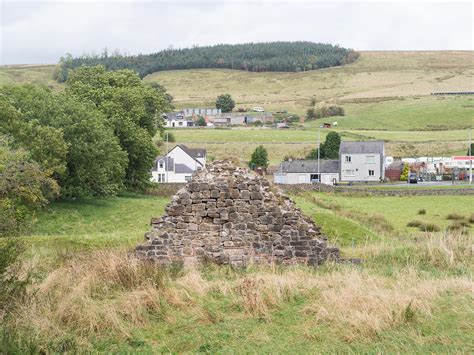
(412, 178)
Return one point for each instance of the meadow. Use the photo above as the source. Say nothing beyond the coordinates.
(413, 289)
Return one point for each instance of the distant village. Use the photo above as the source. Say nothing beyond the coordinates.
(214, 117)
(358, 162)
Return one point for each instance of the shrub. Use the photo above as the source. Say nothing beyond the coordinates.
(454, 216)
(415, 223)
(422, 211)
(471, 218)
(429, 227)
(201, 122)
(311, 114)
(332, 111)
(259, 158)
(225, 102)
(405, 172)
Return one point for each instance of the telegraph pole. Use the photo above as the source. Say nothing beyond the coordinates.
(470, 156)
(166, 156)
(319, 174)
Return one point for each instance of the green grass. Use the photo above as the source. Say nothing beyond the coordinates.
(66, 227)
(398, 211)
(28, 74)
(77, 306)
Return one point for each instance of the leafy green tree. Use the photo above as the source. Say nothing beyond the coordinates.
(24, 187)
(201, 122)
(71, 141)
(225, 102)
(330, 147)
(259, 158)
(30, 129)
(132, 109)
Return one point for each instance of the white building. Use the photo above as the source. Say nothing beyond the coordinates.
(177, 120)
(178, 165)
(306, 172)
(362, 161)
(201, 111)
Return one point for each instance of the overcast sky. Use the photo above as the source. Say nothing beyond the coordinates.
(42, 31)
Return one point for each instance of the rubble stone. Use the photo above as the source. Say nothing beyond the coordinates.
(232, 216)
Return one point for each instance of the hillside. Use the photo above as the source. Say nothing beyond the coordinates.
(382, 90)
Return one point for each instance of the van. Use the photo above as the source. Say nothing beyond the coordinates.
(412, 178)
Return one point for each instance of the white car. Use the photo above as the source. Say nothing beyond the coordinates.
(258, 109)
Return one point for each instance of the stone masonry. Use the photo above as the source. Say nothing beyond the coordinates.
(232, 216)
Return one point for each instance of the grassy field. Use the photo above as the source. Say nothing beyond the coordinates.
(413, 290)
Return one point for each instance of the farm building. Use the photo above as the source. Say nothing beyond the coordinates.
(201, 111)
(178, 165)
(362, 161)
(306, 171)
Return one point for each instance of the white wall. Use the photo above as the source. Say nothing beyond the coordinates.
(303, 178)
(179, 157)
(360, 166)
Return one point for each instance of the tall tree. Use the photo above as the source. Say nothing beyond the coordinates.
(330, 147)
(133, 109)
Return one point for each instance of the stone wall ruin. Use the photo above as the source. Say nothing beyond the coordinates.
(232, 216)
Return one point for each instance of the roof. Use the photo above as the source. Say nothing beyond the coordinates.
(169, 162)
(174, 116)
(310, 166)
(193, 152)
(369, 147)
(183, 169)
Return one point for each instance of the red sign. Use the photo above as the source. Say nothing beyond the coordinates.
(466, 157)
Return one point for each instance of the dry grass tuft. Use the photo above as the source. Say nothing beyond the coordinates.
(360, 305)
(455, 216)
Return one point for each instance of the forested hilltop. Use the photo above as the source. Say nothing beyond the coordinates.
(256, 57)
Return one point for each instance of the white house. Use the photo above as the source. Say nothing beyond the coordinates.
(306, 171)
(178, 165)
(362, 161)
(177, 120)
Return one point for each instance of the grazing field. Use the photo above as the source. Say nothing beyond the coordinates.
(413, 289)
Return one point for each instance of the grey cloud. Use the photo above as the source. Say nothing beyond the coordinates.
(41, 32)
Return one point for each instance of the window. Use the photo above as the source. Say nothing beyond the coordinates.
(187, 178)
(370, 159)
(349, 172)
(161, 165)
(371, 172)
(159, 177)
(314, 177)
(348, 159)
(163, 177)
(180, 123)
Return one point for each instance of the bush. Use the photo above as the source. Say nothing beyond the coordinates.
(332, 111)
(405, 172)
(201, 122)
(10, 285)
(454, 216)
(471, 218)
(259, 158)
(168, 137)
(422, 211)
(311, 114)
(423, 226)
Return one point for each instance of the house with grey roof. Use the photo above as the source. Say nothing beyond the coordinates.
(307, 171)
(177, 120)
(178, 165)
(362, 161)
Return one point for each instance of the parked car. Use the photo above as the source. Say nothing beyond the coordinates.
(258, 109)
(412, 178)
